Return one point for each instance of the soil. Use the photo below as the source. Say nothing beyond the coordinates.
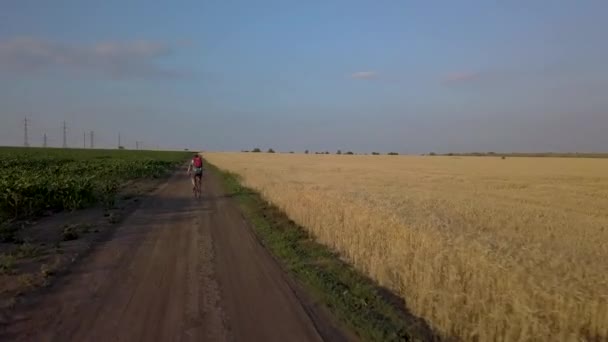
(176, 269)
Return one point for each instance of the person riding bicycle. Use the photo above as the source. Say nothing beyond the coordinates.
(196, 166)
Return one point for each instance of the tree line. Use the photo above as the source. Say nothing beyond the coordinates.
(338, 152)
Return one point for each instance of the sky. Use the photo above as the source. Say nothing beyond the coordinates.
(405, 76)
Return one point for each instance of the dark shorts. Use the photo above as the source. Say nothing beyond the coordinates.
(198, 172)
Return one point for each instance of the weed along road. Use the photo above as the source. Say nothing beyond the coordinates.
(177, 269)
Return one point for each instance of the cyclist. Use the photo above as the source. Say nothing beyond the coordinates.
(196, 166)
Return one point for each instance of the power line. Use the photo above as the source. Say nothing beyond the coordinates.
(26, 142)
(65, 138)
(87, 136)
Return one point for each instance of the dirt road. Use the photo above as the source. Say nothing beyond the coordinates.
(177, 269)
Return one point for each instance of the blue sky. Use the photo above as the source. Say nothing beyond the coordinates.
(406, 76)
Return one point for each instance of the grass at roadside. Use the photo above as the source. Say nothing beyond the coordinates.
(351, 297)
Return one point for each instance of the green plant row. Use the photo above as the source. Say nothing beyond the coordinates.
(33, 181)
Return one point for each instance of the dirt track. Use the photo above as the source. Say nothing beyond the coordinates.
(176, 270)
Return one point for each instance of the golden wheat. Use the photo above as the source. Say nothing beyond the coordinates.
(485, 249)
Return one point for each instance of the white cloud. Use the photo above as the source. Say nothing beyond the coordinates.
(136, 59)
(364, 75)
(461, 77)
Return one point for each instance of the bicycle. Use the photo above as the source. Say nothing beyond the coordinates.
(196, 190)
(196, 167)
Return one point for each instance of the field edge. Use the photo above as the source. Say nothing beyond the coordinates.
(371, 312)
(102, 223)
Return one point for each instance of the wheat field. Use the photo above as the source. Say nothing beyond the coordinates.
(485, 249)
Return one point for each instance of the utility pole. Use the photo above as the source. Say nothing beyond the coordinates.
(92, 139)
(84, 139)
(65, 137)
(118, 139)
(44, 143)
(137, 145)
(26, 142)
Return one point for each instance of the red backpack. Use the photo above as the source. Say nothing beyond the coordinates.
(198, 162)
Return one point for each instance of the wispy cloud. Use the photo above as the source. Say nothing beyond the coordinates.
(364, 75)
(118, 60)
(461, 77)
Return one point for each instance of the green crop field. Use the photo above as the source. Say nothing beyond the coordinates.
(37, 180)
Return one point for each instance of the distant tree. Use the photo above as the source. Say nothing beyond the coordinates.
(432, 154)
(306, 152)
(256, 150)
(393, 154)
(339, 152)
(270, 150)
(122, 148)
(291, 152)
(375, 154)
(450, 154)
(326, 152)
(349, 153)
